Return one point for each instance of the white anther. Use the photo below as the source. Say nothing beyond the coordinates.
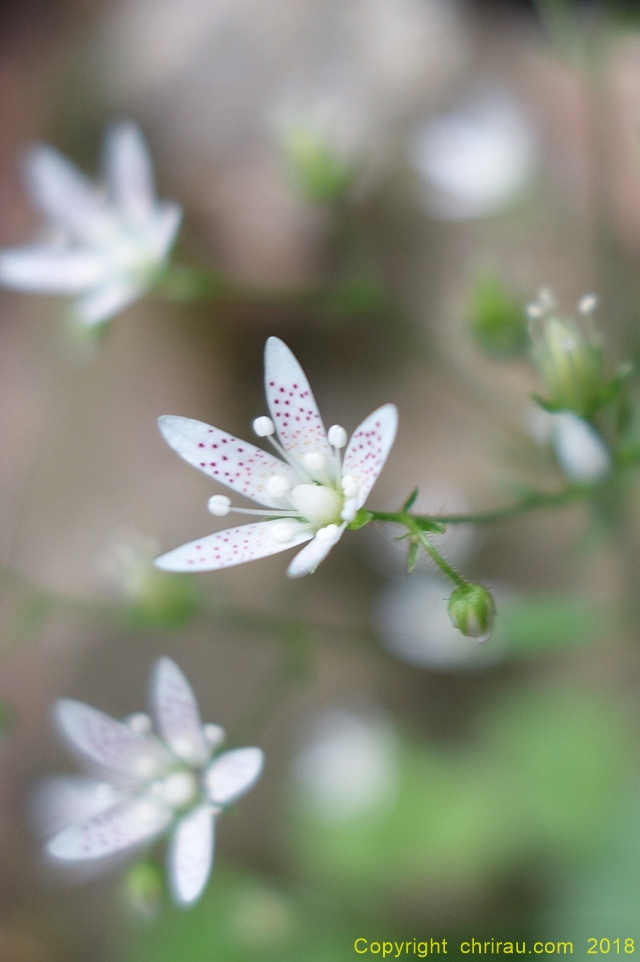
(588, 303)
(314, 461)
(327, 533)
(534, 311)
(349, 510)
(264, 427)
(179, 789)
(214, 735)
(278, 486)
(282, 531)
(220, 505)
(349, 486)
(139, 723)
(337, 436)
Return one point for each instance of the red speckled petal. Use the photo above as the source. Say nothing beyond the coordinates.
(126, 825)
(191, 855)
(233, 546)
(176, 713)
(291, 403)
(368, 449)
(110, 743)
(237, 464)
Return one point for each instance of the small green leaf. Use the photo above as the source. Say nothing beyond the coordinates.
(411, 500)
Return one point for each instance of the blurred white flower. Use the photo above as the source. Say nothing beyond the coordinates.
(579, 450)
(349, 766)
(413, 622)
(106, 245)
(168, 781)
(310, 493)
(475, 159)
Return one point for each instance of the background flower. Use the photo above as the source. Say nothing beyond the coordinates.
(106, 247)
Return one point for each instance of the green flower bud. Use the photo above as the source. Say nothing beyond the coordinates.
(496, 318)
(142, 888)
(472, 611)
(317, 168)
(152, 597)
(568, 355)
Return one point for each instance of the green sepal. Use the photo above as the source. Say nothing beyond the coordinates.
(412, 557)
(548, 406)
(411, 500)
(362, 517)
(615, 385)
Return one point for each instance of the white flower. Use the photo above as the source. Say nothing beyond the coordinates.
(106, 246)
(580, 450)
(475, 159)
(310, 493)
(171, 781)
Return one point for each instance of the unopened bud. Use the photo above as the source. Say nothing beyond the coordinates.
(569, 358)
(472, 611)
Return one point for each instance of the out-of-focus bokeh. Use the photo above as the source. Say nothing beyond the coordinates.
(384, 184)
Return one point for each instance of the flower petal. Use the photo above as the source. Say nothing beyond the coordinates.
(105, 301)
(66, 196)
(232, 774)
(368, 449)
(123, 826)
(64, 800)
(191, 855)
(307, 560)
(291, 403)
(176, 713)
(162, 229)
(129, 171)
(233, 546)
(50, 271)
(237, 464)
(112, 744)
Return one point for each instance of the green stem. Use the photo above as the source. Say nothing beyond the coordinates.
(531, 501)
(435, 555)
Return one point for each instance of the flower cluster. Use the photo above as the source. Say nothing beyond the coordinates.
(309, 493)
(172, 780)
(106, 246)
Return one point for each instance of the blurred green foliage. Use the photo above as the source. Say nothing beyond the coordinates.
(244, 917)
(536, 626)
(539, 777)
